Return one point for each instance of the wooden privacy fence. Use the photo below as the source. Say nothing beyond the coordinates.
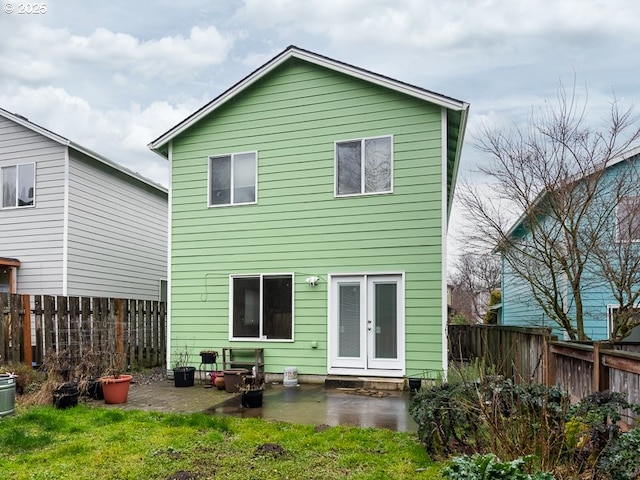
(585, 368)
(532, 354)
(32, 326)
(514, 352)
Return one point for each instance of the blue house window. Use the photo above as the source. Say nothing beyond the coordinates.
(232, 179)
(17, 185)
(364, 166)
(628, 217)
(262, 307)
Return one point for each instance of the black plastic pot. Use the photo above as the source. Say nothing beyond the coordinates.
(252, 399)
(66, 395)
(94, 390)
(415, 384)
(184, 376)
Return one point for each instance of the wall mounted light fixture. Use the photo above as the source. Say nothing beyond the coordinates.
(312, 281)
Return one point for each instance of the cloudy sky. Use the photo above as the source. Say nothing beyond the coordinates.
(113, 75)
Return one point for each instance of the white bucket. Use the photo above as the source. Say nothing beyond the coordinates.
(290, 378)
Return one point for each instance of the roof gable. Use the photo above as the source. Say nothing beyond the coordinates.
(519, 227)
(160, 144)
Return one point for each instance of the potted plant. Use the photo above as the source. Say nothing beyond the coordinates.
(183, 374)
(115, 384)
(208, 357)
(251, 392)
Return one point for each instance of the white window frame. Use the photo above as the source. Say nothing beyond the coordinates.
(17, 166)
(610, 308)
(261, 337)
(231, 185)
(362, 167)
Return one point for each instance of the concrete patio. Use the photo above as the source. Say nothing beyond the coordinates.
(306, 403)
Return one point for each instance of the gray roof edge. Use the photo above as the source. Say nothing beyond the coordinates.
(19, 119)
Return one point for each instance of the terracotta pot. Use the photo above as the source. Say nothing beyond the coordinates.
(219, 380)
(116, 390)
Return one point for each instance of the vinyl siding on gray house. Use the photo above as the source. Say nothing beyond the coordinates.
(34, 235)
(96, 229)
(117, 232)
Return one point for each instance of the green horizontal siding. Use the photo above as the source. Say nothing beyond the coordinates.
(292, 118)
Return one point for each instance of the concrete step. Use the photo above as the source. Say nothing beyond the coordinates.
(369, 383)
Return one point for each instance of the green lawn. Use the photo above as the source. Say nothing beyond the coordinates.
(98, 443)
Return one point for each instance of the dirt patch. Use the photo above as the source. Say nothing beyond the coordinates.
(269, 449)
(183, 475)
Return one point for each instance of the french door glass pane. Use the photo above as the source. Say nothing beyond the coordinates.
(349, 320)
(377, 165)
(220, 181)
(349, 168)
(386, 320)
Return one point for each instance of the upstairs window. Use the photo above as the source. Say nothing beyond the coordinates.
(364, 166)
(262, 307)
(17, 185)
(232, 179)
(628, 218)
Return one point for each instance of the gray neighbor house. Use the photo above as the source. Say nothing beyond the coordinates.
(74, 223)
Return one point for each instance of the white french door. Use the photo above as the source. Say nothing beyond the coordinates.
(366, 325)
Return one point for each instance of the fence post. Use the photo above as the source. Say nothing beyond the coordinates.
(600, 381)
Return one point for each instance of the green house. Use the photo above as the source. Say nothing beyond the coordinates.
(308, 216)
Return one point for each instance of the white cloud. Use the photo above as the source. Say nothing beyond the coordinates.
(34, 52)
(120, 134)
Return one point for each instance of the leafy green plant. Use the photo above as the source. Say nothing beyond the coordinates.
(445, 421)
(621, 460)
(600, 413)
(489, 467)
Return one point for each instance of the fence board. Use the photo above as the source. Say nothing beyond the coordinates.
(15, 331)
(27, 356)
(4, 328)
(140, 331)
(39, 346)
